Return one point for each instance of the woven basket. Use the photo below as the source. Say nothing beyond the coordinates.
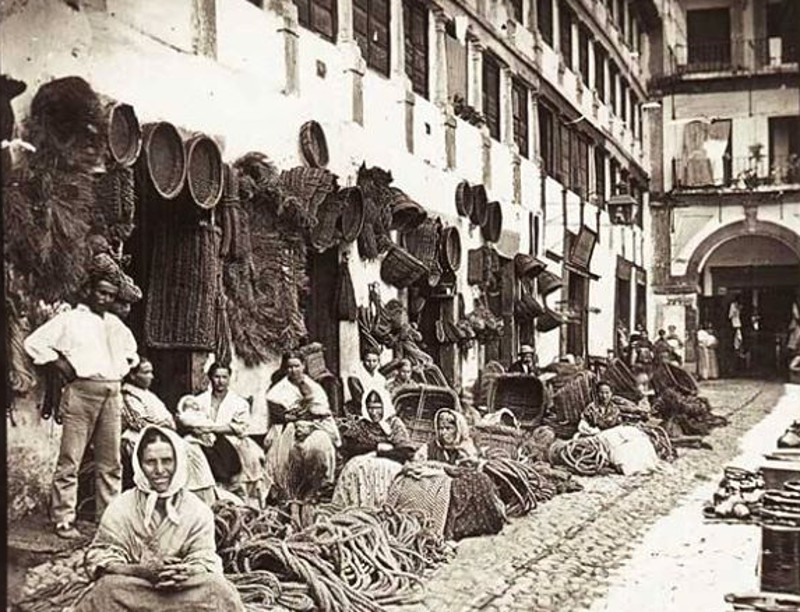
(522, 394)
(464, 199)
(315, 364)
(351, 220)
(417, 406)
(570, 400)
(670, 376)
(165, 158)
(312, 185)
(621, 379)
(528, 266)
(406, 213)
(323, 236)
(498, 437)
(450, 249)
(526, 307)
(548, 282)
(401, 269)
(493, 227)
(549, 321)
(313, 145)
(204, 171)
(124, 134)
(479, 210)
(423, 241)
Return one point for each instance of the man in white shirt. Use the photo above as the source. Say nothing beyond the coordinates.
(93, 351)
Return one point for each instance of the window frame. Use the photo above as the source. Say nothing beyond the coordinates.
(584, 42)
(306, 17)
(544, 11)
(420, 78)
(520, 96)
(493, 119)
(600, 70)
(547, 139)
(364, 39)
(565, 19)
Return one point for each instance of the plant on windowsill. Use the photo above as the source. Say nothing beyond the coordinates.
(468, 113)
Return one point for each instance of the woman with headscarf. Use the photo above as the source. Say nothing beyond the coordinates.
(365, 376)
(629, 448)
(154, 548)
(379, 445)
(444, 482)
(140, 408)
(302, 439)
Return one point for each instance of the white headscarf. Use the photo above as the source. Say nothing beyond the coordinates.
(388, 408)
(176, 485)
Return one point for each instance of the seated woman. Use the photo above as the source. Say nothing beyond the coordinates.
(140, 408)
(403, 378)
(379, 445)
(365, 376)
(628, 447)
(236, 461)
(445, 484)
(302, 440)
(154, 548)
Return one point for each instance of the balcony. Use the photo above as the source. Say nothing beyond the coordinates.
(735, 174)
(737, 56)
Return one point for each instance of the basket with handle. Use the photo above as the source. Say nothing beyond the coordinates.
(417, 406)
(522, 394)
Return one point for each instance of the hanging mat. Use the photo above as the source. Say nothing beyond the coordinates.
(346, 306)
(182, 295)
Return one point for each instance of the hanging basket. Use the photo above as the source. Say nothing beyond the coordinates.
(165, 158)
(528, 266)
(450, 249)
(351, 220)
(401, 269)
(526, 307)
(406, 213)
(464, 199)
(549, 321)
(494, 222)
(204, 172)
(313, 145)
(423, 241)
(124, 134)
(479, 211)
(548, 282)
(323, 235)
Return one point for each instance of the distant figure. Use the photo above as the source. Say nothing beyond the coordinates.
(403, 378)
(707, 363)
(527, 362)
(735, 318)
(675, 342)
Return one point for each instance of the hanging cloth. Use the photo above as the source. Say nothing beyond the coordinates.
(346, 307)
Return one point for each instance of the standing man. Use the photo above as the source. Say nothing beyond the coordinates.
(527, 362)
(92, 350)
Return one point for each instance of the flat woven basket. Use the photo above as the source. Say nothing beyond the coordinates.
(204, 171)
(417, 406)
(401, 269)
(124, 134)
(498, 437)
(522, 394)
(165, 158)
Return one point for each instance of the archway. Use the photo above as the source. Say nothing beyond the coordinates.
(749, 279)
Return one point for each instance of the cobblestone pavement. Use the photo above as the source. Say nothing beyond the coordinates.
(565, 555)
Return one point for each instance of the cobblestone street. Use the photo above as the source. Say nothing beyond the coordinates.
(573, 553)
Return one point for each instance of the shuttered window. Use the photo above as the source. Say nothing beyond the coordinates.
(519, 103)
(318, 16)
(545, 14)
(600, 71)
(600, 173)
(517, 11)
(565, 33)
(623, 99)
(547, 139)
(415, 26)
(612, 87)
(491, 94)
(371, 30)
(565, 174)
(584, 40)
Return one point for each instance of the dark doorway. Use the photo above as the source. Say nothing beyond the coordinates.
(321, 316)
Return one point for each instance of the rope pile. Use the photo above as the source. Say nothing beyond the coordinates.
(517, 484)
(583, 456)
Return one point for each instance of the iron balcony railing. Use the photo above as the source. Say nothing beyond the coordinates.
(737, 172)
(735, 55)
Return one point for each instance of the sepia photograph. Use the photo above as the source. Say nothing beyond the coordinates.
(401, 305)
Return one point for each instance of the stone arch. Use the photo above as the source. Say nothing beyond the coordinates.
(739, 229)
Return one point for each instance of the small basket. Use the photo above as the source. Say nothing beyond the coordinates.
(165, 158)
(204, 171)
(401, 269)
(315, 364)
(450, 249)
(493, 227)
(479, 211)
(464, 199)
(526, 307)
(522, 394)
(313, 145)
(124, 134)
(417, 406)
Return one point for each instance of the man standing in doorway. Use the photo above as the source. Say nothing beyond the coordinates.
(92, 350)
(527, 362)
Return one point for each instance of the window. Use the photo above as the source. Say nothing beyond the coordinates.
(519, 104)
(318, 16)
(415, 26)
(565, 33)
(456, 63)
(621, 15)
(564, 175)
(584, 40)
(709, 39)
(491, 94)
(783, 32)
(547, 139)
(623, 99)
(612, 87)
(517, 11)
(615, 179)
(600, 173)
(784, 149)
(545, 14)
(371, 31)
(634, 115)
(600, 71)
(579, 164)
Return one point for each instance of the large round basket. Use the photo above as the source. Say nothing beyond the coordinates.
(418, 405)
(528, 266)
(401, 269)
(494, 222)
(548, 282)
(204, 173)
(406, 213)
(351, 220)
(165, 158)
(450, 249)
(464, 199)
(313, 144)
(479, 205)
(522, 394)
(124, 134)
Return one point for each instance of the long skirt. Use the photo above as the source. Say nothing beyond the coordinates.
(629, 449)
(298, 469)
(428, 496)
(475, 508)
(223, 459)
(365, 481)
(113, 593)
